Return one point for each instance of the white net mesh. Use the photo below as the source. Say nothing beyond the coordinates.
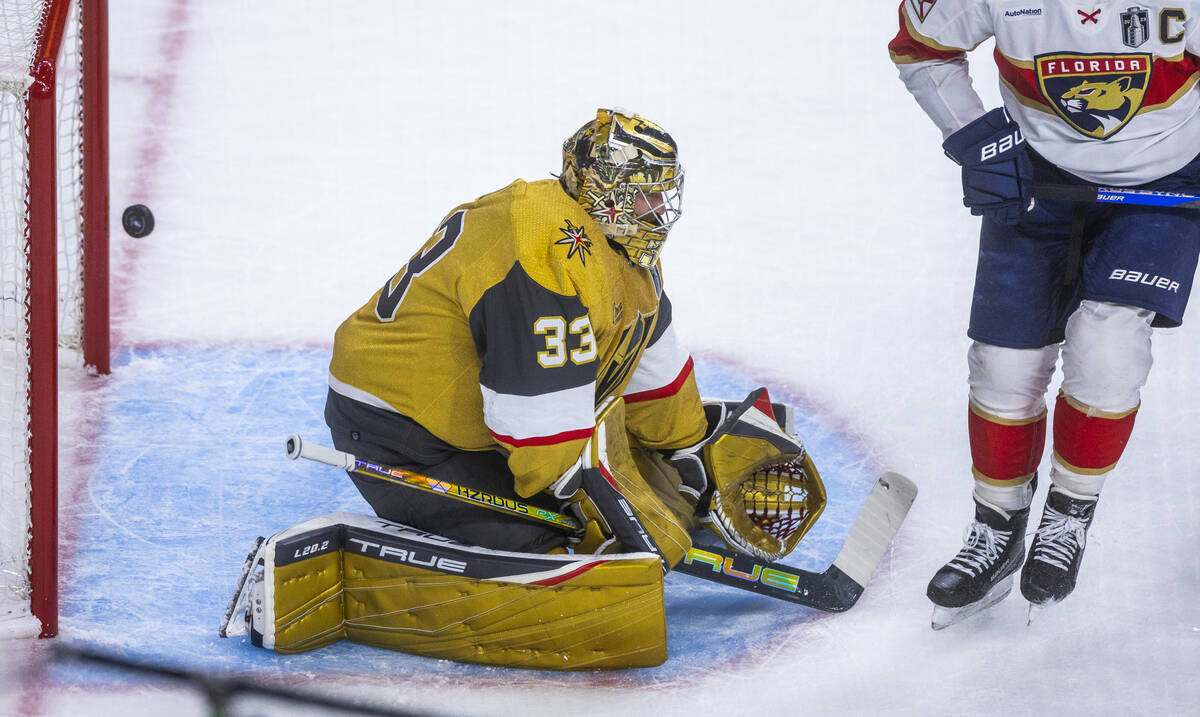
(19, 30)
(70, 187)
(14, 464)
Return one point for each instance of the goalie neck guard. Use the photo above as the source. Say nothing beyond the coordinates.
(624, 171)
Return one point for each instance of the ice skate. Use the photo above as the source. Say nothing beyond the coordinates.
(1057, 550)
(981, 575)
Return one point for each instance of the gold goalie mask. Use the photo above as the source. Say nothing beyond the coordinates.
(751, 482)
(624, 171)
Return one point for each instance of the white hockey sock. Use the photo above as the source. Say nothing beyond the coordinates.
(1007, 497)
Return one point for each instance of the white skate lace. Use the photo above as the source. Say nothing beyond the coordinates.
(1059, 538)
(981, 547)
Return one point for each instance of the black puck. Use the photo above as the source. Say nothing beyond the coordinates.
(137, 220)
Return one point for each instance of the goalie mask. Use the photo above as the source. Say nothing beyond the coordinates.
(624, 171)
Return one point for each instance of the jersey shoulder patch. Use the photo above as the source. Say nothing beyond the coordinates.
(920, 9)
(556, 241)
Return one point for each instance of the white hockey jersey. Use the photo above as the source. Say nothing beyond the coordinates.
(1105, 90)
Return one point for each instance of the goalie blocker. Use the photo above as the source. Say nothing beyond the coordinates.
(368, 580)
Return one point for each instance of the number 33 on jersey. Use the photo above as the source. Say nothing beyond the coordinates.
(507, 329)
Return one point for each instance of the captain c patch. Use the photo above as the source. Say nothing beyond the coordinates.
(1095, 94)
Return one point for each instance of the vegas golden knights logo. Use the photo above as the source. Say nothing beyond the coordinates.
(1096, 95)
(625, 356)
(577, 242)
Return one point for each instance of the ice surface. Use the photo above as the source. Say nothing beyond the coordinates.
(295, 153)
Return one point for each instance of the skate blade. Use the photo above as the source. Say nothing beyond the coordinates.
(1035, 609)
(944, 617)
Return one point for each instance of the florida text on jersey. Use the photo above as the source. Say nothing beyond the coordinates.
(507, 329)
(1105, 90)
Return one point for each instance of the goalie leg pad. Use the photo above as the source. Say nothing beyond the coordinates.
(345, 576)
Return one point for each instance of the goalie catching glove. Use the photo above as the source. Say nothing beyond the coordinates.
(751, 482)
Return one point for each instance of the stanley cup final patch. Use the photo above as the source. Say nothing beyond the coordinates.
(1135, 26)
(1095, 94)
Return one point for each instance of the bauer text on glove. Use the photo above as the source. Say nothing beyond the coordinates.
(997, 176)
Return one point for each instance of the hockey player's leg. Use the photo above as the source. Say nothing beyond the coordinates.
(980, 575)
(1106, 360)
(1007, 427)
(483, 470)
(1057, 550)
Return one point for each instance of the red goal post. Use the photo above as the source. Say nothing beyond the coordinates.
(53, 273)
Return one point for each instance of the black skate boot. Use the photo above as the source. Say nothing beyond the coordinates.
(981, 575)
(1057, 549)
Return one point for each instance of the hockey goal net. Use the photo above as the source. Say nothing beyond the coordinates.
(53, 273)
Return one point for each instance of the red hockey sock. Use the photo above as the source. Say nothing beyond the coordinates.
(1005, 451)
(1089, 444)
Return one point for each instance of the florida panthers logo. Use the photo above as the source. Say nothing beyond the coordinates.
(1095, 94)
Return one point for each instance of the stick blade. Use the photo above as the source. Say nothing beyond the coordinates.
(839, 587)
(877, 523)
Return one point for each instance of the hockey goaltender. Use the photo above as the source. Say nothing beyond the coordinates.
(520, 366)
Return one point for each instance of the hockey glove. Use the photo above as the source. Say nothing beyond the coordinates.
(751, 482)
(607, 492)
(997, 175)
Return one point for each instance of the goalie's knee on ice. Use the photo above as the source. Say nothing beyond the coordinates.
(459, 521)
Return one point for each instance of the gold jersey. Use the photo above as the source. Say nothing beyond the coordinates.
(507, 329)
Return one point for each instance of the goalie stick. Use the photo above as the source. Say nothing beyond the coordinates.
(1116, 195)
(842, 583)
(834, 590)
